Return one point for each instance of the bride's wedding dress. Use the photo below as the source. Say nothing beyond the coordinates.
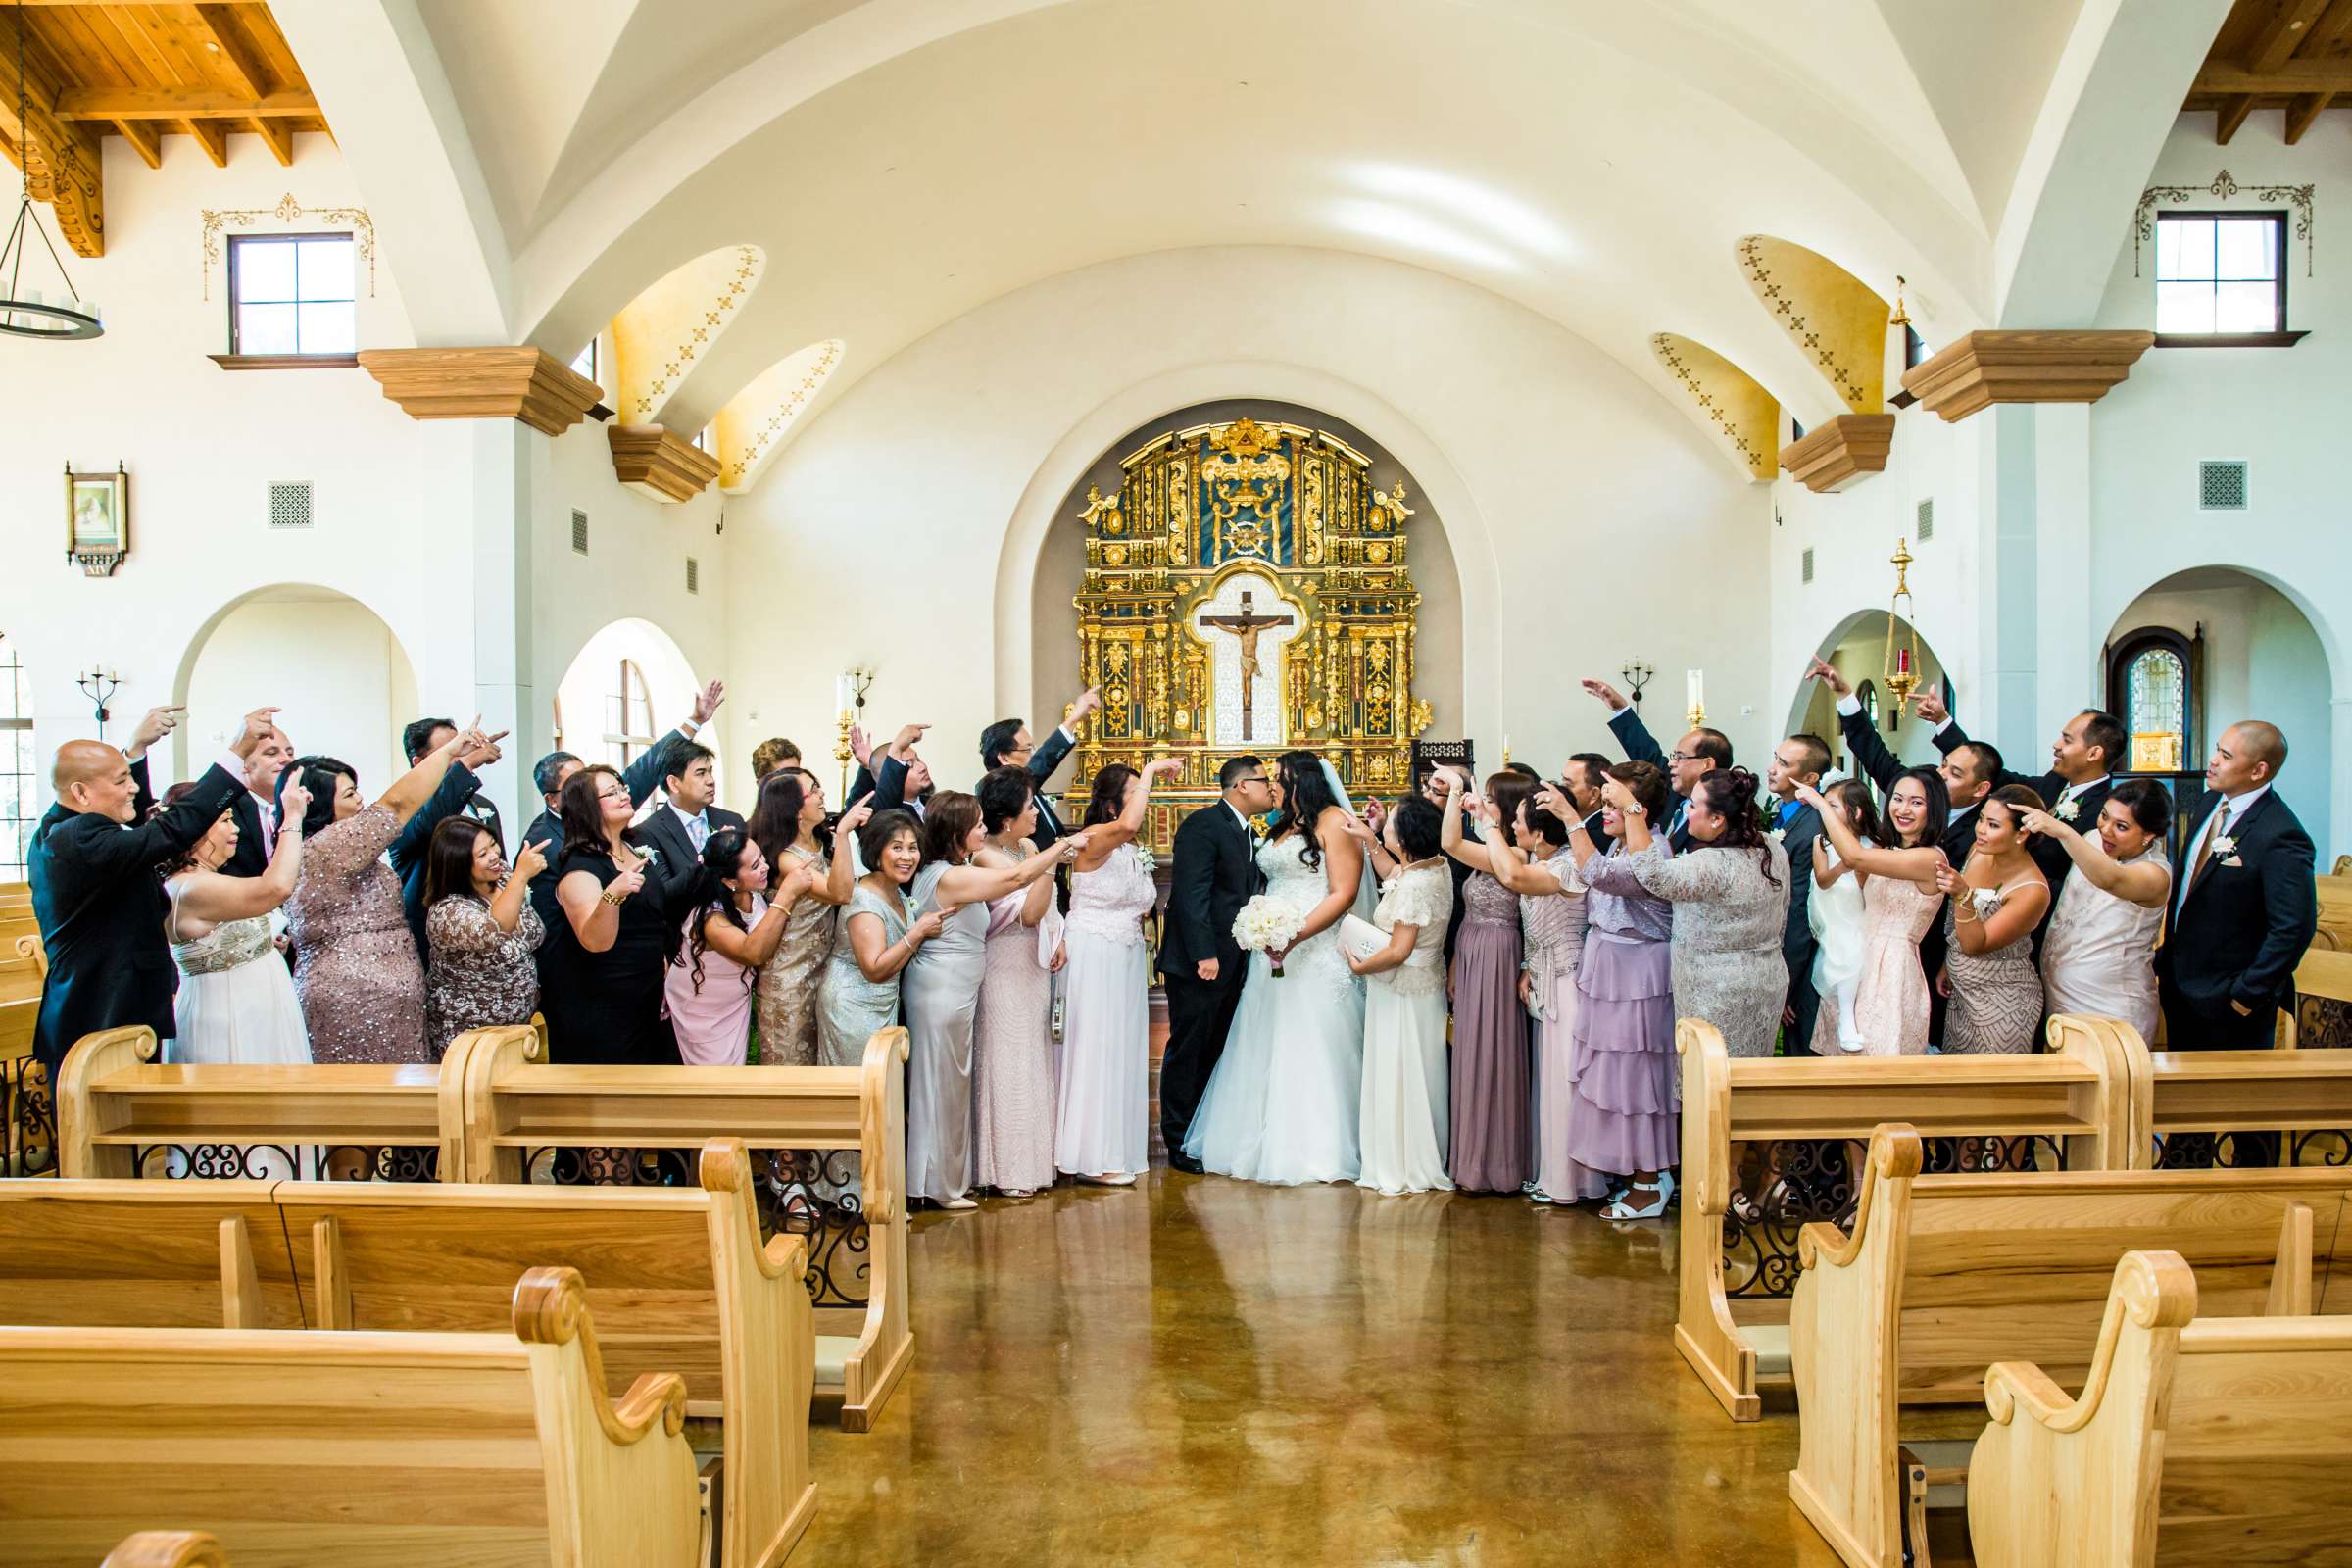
(1281, 1103)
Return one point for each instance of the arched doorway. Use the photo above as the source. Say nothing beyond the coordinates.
(1856, 647)
(340, 678)
(2198, 650)
(627, 686)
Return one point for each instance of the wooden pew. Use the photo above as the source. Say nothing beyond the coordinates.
(516, 1104)
(167, 1549)
(2290, 1092)
(364, 1451)
(2324, 976)
(1939, 1277)
(115, 1101)
(677, 1278)
(2195, 1438)
(2077, 1096)
(146, 1254)
(27, 1117)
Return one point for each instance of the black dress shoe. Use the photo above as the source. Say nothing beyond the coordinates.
(1186, 1164)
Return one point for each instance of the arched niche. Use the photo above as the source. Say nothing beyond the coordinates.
(1856, 647)
(1834, 318)
(628, 686)
(661, 334)
(1743, 417)
(338, 675)
(1060, 563)
(2257, 653)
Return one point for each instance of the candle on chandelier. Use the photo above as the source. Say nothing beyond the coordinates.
(845, 694)
(1695, 681)
(1902, 660)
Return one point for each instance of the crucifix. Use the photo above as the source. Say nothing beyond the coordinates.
(1245, 627)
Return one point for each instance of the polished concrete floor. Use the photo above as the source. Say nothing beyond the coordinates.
(1199, 1370)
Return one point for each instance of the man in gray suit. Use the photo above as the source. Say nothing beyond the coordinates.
(1799, 759)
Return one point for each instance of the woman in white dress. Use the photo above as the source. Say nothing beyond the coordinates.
(1281, 1106)
(1405, 1123)
(1837, 918)
(2097, 957)
(1102, 1126)
(236, 1001)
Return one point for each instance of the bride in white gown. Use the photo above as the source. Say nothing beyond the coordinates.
(1281, 1106)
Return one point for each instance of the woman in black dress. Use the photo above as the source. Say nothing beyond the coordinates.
(602, 969)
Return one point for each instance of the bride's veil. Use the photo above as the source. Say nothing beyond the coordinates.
(1367, 894)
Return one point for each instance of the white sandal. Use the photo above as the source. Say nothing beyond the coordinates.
(1621, 1210)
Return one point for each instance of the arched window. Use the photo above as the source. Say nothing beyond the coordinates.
(18, 778)
(1867, 694)
(2151, 686)
(628, 716)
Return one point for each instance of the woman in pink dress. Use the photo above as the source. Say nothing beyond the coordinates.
(1900, 902)
(1012, 1036)
(731, 929)
(1551, 914)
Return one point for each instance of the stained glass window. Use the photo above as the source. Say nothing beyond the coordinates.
(2156, 709)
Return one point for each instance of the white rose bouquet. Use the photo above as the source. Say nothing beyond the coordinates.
(1265, 924)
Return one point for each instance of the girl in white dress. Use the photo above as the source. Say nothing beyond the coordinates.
(1836, 915)
(1405, 1125)
(2097, 955)
(236, 1001)
(1103, 1125)
(1281, 1106)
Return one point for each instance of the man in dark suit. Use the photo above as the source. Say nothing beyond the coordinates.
(554, 770)
(2075, 789)
(1581, 779)
(1696, 755)
(457, 796)
(1214, 874)
(427, 736)
(256, 805)
(1008, 743)
(678, 828)
(1968, 771)
(2245, 907)
(95, 894)
(1799, 760)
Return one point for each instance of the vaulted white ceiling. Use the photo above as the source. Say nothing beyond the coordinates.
(901, 162)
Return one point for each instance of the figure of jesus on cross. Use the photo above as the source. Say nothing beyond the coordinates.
(1245, 627)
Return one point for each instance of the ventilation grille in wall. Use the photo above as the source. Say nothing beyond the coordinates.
(1808, 564)
(1927, 520)
(2222, 486)
(579, 532)
(694, 575)
(290, 505)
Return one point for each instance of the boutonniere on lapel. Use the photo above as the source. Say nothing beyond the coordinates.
(2068, 810)
(2224, 850)
(1775, 834)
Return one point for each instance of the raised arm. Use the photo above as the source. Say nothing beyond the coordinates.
(507, 903)
(1625, 722)
(413, 790)
(1918, 865)
(210, 897)
(1104, 837)
(2146, 883)
(959, 885)
(1451, 836)
(1049, 752)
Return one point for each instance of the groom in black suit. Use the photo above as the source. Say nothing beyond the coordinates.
(1216, 873)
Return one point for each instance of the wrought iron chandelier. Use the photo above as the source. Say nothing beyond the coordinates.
(23, 312)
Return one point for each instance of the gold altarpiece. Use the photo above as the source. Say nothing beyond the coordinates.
(1246, 590)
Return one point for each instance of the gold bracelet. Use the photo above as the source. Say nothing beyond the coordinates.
(614, 898)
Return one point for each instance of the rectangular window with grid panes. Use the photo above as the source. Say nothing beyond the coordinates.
(18, 810)
(292, 294)
(2221, 272)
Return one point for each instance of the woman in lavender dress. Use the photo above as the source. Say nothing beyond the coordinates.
(1621, 1111)
(1489, 1144)
(1013, 1036)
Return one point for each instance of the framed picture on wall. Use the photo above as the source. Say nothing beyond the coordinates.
(97, 519)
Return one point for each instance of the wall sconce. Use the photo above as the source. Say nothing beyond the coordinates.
(1636, 675)
(99, 683)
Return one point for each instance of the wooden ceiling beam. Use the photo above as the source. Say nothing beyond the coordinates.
(2230, 116)
(145, 140)
(2303, 113)
(110, 5)
(216, 27)
(212, 136)
(278, 136)
(171, 102)
(61, 161)
(2287, 27)
(2222, 78)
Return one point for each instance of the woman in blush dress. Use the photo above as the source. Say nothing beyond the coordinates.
(1552, 918)
(1013, 1035)
(1839, 919)
(941, 989)
(789, 826)
(481, 930)
(731, 930)
(237, 1002)
(1621, 1106)
(2096, 958)
(1404, 1125)
(1102, 1128)
(1996, 901)
(1900, 899)
(356, 964)
(1729, 892)
(1489, 1151)
(1281, 1103)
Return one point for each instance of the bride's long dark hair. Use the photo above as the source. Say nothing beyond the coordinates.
(1304, 795)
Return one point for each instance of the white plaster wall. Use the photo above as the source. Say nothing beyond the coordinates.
(345, 685)
(1588, 519)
